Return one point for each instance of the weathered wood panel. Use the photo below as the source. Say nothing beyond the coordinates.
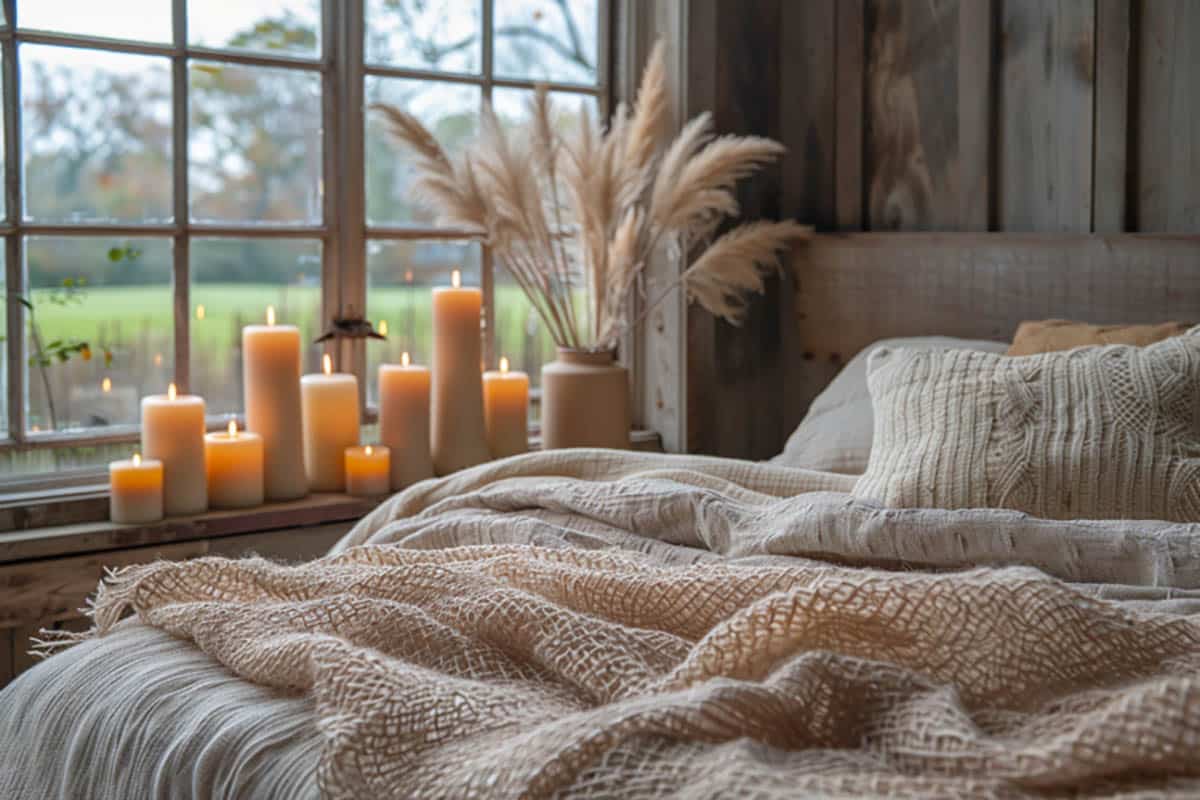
(7, 666)
(1045, 111)
(849, 107)
(859, 288)
(1168, 123)
(1109, 186)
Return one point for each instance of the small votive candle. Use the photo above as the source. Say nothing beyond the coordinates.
(506, 411)
(136, 490)
(368, 470)
(235, 468)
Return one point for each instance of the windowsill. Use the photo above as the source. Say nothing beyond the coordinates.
(71, 521)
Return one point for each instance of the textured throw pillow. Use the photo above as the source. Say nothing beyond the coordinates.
(835, 434)
(1092, 433)
(1048, 336)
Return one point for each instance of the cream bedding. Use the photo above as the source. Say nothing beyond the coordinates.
(596, 624)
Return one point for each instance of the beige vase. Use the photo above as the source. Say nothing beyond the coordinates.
(585, 401)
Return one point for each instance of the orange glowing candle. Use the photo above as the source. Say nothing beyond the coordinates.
(235, 468)
(173, 433)
(458, 437)
(271, 377)
(506, 410)
(368, 470)
(404, 421)
(329, 407)
(135, 490)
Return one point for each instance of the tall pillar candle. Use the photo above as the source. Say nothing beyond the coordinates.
(235, 468)
(173, 433)
(506, 411)
(271, 377)
(458, 438)
(404, 421)
(329, 405)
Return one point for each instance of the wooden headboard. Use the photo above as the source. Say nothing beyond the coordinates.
(854, 289)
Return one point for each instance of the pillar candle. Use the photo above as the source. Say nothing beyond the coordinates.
(506, 411)
(458, 438)
(173, 433)
(404, 421)
(271, 381)
(135, 490)
(368, 471)
(329, 403)
(235, 468)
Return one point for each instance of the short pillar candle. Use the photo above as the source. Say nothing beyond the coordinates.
(458, 437)
(271, 377)
(368, 471)
(135, 490)
(173, 433)
(404, 421)
(235, 468)
(329, 404)
(506, 411)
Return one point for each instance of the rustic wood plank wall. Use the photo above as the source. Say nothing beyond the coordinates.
(1074, 117)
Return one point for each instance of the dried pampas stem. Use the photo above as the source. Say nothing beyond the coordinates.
(585, 213)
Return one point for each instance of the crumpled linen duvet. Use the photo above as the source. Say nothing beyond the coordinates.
(589, 623)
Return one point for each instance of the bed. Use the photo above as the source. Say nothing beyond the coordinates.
(595, 623)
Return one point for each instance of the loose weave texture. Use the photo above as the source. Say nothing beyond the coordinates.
(1096, 432)
(639, 626)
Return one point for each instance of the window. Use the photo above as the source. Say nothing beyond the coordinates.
(174, 166)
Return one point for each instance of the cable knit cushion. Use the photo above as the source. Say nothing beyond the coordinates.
(1092, 433)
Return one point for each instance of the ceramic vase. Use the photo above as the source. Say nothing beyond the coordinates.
(585, 401)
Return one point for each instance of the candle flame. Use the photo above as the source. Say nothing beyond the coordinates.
(408, 276)
(106, 385)
(270, 315)
(504, 365)
(327, 364)
(172, 392)
(233, 428)
(369, 450)
(137, 459)
(200, 311)
(158, 359)
(456, 279)
(383, 327)
(404, 359)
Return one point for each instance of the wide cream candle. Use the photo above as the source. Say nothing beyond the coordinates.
(271, 381)
(404, 421)
(368, 471)
(235, 468)
(173, 433)
(329, 405)
(458, 439)
(135, 490)
(506, 410)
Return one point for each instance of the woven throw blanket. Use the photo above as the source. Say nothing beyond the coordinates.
(633, 626)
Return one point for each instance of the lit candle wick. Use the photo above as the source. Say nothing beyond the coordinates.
(137, 459)
(404, 359)
(233, 429)
(369, 450)
(172, 392)
(503, 364)
(327, 364)
(270, 315)
(456, 279)
(106, 385)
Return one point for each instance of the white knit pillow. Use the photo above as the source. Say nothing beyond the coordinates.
(1091, 433)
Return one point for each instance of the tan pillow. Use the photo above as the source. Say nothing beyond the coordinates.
(1048, 336)
(1092, 433)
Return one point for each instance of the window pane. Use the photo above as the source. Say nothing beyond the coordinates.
(400, 278)
(96, 135)
(254, 146)
(449, 110)
(521, 337)
(425, 34)
(101, 333)
(233, 282)
(147, 20)
(28, 463)
(553, 40)
(274, 26)
(512, 107)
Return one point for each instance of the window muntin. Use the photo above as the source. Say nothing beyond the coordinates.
(200, 220)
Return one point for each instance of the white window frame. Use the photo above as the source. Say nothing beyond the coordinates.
(343, 230)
